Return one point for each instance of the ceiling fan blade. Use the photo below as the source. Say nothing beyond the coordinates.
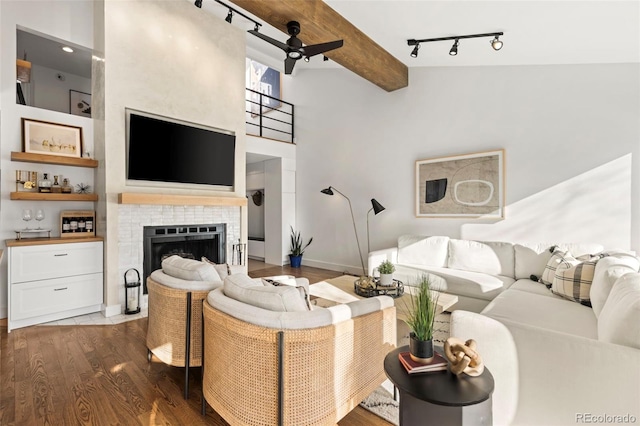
(288, 65)
(270, 40)
(316, 49)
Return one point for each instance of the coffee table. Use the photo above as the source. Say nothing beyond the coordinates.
(341, 290)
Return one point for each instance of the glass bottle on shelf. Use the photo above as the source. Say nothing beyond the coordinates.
(56, 185)
(73, 224)
(89, 224)
(66, 225)
(66, 188)
(44, 184)
(82, 225)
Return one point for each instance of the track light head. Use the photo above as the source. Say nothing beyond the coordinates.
(454, 48)
(324, 58)
(257, 27)
(496, 43)
(306, 59)
(229, 17)
(414, 52)
(198, 3)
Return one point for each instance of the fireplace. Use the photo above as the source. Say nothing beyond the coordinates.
(189, 241)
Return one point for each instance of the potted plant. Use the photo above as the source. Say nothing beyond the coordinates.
(296, 248)
(386, 270)
(421, 313)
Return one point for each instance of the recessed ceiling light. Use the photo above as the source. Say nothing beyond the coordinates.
(67, 49)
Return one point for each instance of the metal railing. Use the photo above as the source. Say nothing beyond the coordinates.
(278, 124)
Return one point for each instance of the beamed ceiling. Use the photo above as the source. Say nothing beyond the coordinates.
(319, 23)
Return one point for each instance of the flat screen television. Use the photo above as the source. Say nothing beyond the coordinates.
(163, 150)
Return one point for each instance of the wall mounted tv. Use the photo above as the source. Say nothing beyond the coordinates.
(163, 151)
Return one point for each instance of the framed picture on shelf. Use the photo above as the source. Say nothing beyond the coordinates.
(265, 80)
(44, 137)
(80, 103)
(470, 185)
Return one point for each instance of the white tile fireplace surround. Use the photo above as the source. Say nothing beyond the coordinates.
(132, 218)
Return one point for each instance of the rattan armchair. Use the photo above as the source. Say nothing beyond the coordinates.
(256, 374)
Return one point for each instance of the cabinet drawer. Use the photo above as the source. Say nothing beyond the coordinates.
(37, 298)
(43, 262)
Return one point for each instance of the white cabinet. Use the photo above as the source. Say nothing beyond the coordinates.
(48, 282)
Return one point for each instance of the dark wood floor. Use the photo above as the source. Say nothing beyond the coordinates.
(99, 375)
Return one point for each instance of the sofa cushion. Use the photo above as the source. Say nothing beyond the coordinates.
(533, 287)
(189, 269)
(463, 283)
(619, 320)
(281, 298)
(198, 285)
(551, 313)
(489, 257)
(559, 259)
(223, 269)
(574, 282)
(304, 292)
(422, 250)
(531, 258)
(607, 271)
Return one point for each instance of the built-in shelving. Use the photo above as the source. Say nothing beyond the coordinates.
(53, 240)
(58, 196)
(29, 157)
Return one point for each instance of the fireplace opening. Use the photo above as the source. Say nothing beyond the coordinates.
(188, 241)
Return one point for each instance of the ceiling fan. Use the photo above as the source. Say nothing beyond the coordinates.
(294, 48)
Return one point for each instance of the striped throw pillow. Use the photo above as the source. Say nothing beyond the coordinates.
(574, 282)
(559, 259)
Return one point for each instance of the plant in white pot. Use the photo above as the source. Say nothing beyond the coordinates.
(296, 248)
(421, 314)
(386, 270)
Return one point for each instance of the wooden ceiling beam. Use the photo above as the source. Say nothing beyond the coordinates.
(319, 23)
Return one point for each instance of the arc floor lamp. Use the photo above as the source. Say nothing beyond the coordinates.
(376, 208)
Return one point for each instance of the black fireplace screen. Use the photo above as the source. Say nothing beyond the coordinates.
(188, 241)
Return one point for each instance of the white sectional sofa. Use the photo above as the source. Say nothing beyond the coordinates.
(554, 361)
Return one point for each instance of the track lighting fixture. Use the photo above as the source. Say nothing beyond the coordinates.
(306, 59)
(496, 43)
(454, 48)
(231, 12)
(414, 52)
(324, 58)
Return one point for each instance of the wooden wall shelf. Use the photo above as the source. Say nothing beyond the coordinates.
(43, 196)
(29, 157)
(179, 200)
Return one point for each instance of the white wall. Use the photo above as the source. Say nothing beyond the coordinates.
(52, 93)
(72, 23)
(571, 135)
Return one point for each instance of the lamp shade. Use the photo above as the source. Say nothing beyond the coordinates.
(377, 207)
(327, 191)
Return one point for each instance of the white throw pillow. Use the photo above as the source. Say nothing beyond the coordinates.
(619, 321)
(290, 282)
(222, 269)
(607, 272)
(189, 269)
(283, 298)
(489, 257)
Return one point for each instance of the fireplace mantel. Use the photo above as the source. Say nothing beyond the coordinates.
(179, 200)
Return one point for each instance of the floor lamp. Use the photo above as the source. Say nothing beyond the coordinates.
(377, 208)
(329, 191)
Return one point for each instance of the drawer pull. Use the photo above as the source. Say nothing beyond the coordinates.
(58, 289)
(62, 254)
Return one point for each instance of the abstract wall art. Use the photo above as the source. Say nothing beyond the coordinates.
(469, 185)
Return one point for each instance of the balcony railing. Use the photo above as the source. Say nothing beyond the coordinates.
(268, 116)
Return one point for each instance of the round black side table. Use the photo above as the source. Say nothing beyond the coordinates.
(440, 397)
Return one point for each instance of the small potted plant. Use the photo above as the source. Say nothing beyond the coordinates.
(421, 313)
(386, 270)
(296, 249)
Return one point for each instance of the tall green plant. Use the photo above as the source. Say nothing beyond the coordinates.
(296, 248)
(421, 310)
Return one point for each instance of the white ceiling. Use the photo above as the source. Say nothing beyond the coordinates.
(536, 32)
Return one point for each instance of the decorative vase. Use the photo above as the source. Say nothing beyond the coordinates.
(386, 280)
(421, 351)
(295, 261)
